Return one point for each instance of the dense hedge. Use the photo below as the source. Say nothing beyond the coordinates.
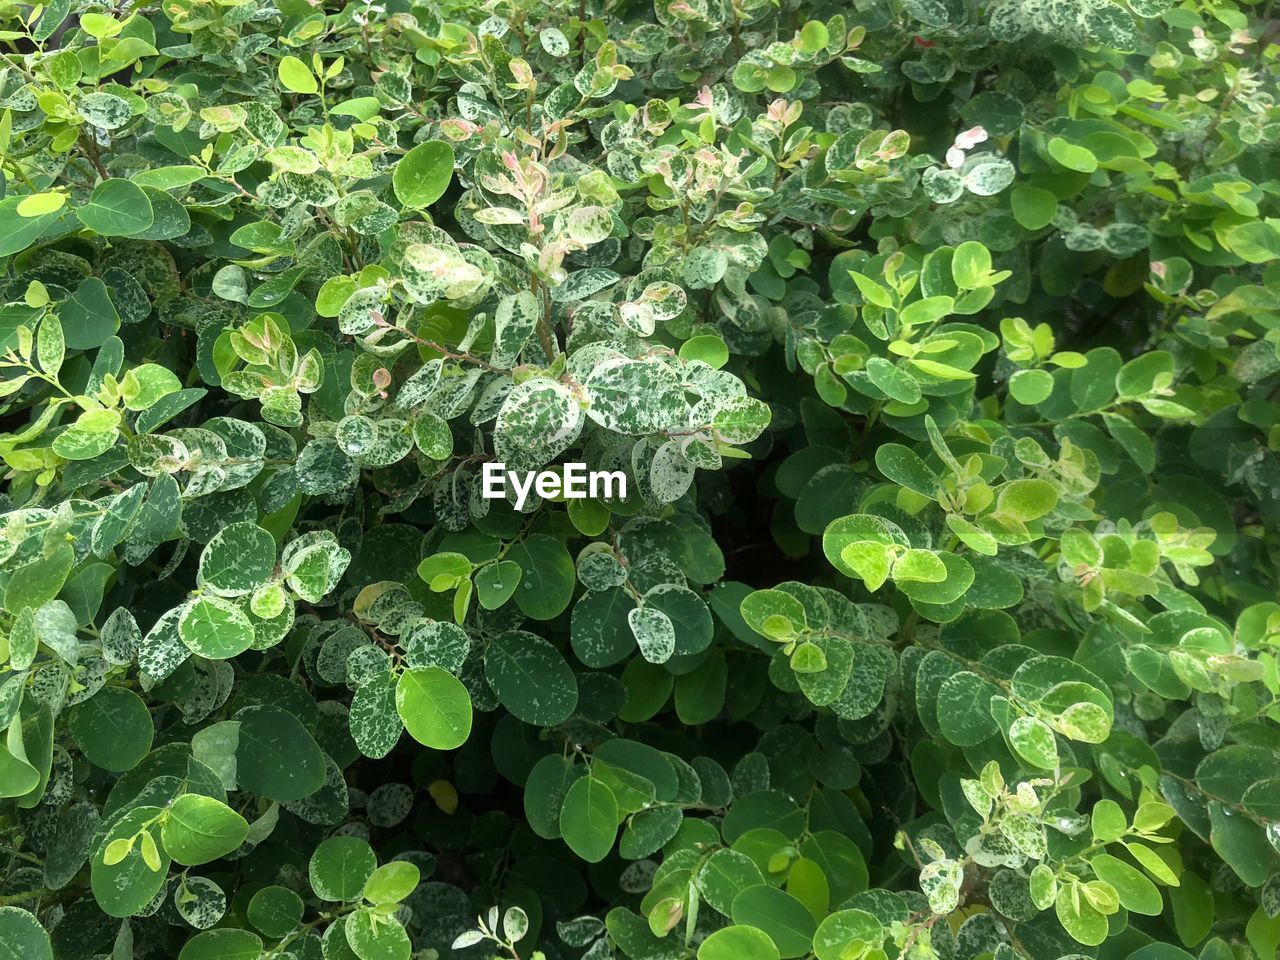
(938, 341)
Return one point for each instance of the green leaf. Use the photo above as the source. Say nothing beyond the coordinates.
(93, 433)
(1086, 722)
(943, 371)
(1241, 843)
(547, 576)
(264, 338)
(18, 778)
(436, 643)
(1072, 156)
(276, 757)
(926, 311)
(964, 709)
(648, 831)
(373, 936)
(125, 886)
(112, 728)
(858, 545)
(1136, 443)
(901, 465)
(18, 232)
(89, 317)
(896, 383)
(1079, 917)
(199, 829)
(362, 108)
(392, 882)
(1193, 908)
(215, 628)
(1026, 499)
(1143, 375)
(423, 174)
(22, 936)
(919, 566)
(105, 110)
(988, 176)
(688, 614)
(296, 76)
(51, 345)
(843, 930)
(872, 291)
(1043, 886)
(589, 819)
(170, 178)
(786, 921)
(442, 571)
(340, 867)
(531, 678)
(1165, 951)
(35, 583)
(275, 911)
(1109, 821)
(773, 614)
(1255, 242)
(726, 874)
(544, 793)
(538, 420)
(970, 265)
(1136, 892)
(738, 943)
(117, 208)
(435, 707)
(145, 385)
(708, 348)
(497, 582)
(226, 943)
(1031, 386)
(600, 632)
(1033, 208)
(1033, 740)
(959, 578)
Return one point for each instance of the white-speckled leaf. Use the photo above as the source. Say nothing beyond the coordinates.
(654, 632)
(375, 725)
(539, 420)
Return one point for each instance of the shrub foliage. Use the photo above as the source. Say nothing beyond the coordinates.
(939, 344)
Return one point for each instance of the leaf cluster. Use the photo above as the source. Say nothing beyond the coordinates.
(938, 345)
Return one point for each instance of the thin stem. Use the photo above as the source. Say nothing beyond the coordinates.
(544, 322)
